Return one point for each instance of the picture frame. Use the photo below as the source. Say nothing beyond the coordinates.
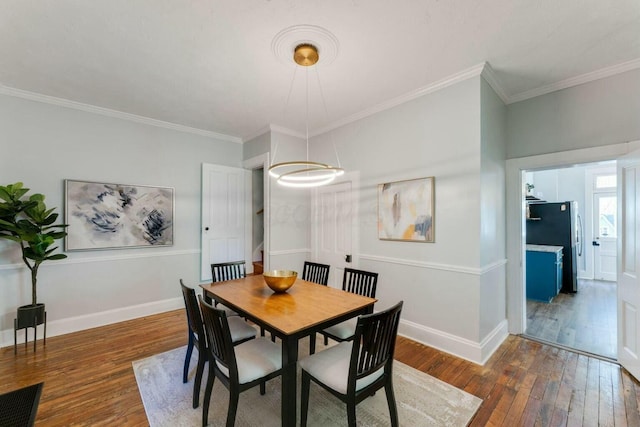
(406, 210)
(117, 216)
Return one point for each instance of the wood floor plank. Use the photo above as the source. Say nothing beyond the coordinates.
(592, 393)
(606, 406)
(617, 388)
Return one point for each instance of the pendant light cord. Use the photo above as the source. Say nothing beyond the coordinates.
(284, 110)
(306, 74)
(326, 114)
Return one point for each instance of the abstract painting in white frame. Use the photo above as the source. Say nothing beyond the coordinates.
(406, 210)
(115, 216)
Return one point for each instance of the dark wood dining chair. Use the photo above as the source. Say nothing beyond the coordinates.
(315, 272)
(238, 368)
(240, 332)
(353, 371)
(18, 408)
(358, 282)
(223, 271)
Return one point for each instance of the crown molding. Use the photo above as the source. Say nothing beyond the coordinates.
(260, 132)
(492, 79)
(61, 102)
(273, 128)
(286, 131)
(441, 84)
(575, 81)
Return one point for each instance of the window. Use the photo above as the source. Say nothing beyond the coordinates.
(605, 181)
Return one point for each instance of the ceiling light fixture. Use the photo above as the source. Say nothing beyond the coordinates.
(305, 173)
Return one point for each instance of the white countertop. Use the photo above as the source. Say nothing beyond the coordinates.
(544, 248)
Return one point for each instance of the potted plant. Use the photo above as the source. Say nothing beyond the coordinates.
(28, 222)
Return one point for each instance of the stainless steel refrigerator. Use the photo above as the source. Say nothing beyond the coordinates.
(557, 224)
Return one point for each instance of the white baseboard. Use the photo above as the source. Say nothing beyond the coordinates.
(461, 347)
(88, 321)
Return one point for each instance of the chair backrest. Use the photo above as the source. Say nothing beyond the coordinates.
(19, 407)
(374, 342)
(223, 271)
(193, 311)
(316, 273)
(218, 335)
(360, 282)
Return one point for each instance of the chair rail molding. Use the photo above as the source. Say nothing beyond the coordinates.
(436, 266)
(290, 251)
(110, 258)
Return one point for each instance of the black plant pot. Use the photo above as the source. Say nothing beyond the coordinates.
(30, 316)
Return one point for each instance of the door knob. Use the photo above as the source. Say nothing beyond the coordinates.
(594, 243)
(206, 229)
(347, 258)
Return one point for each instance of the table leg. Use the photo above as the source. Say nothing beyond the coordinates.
(289, 392)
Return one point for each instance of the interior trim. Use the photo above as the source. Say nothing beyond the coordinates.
(94, 320)
(516, 307)
(436, 266)
(290, 251)
(69, 261)
(441, 84)
(61, 102)
(575, 81)
(476, 352)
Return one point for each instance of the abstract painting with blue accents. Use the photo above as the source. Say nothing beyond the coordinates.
(105, 216)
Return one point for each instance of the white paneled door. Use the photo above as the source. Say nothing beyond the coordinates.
(605, 231)
(333, 229)
(224, 216)
(629, 263)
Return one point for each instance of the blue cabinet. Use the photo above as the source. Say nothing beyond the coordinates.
(544, 272)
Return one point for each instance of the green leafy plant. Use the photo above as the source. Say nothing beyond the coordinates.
(28, 221)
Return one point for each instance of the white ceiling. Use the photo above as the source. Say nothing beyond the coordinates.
(209, 64)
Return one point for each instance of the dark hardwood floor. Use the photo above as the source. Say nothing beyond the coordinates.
(585, 320)
(89, 380)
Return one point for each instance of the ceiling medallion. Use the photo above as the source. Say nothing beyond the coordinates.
(288, 39)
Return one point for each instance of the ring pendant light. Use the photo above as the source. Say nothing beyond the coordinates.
(305, 173)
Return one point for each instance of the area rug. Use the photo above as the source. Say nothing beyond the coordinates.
(422, 400)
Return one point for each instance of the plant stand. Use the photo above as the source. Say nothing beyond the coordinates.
(29, 316)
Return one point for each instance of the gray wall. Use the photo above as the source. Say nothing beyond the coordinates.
(448, 303)
(42, 145)
(602, 112)
(492, 292)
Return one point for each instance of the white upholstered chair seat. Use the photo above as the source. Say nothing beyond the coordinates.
(255, 359)
(331, 367)
(240, 329)
(344, 330)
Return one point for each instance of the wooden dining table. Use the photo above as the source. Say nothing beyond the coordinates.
(306, 308)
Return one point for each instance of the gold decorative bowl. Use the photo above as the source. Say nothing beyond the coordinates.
(280, 280)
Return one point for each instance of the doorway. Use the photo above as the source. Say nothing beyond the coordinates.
(585, 320)
(259, 241)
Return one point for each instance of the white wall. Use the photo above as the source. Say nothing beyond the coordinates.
(437, 135)
(44, 144)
